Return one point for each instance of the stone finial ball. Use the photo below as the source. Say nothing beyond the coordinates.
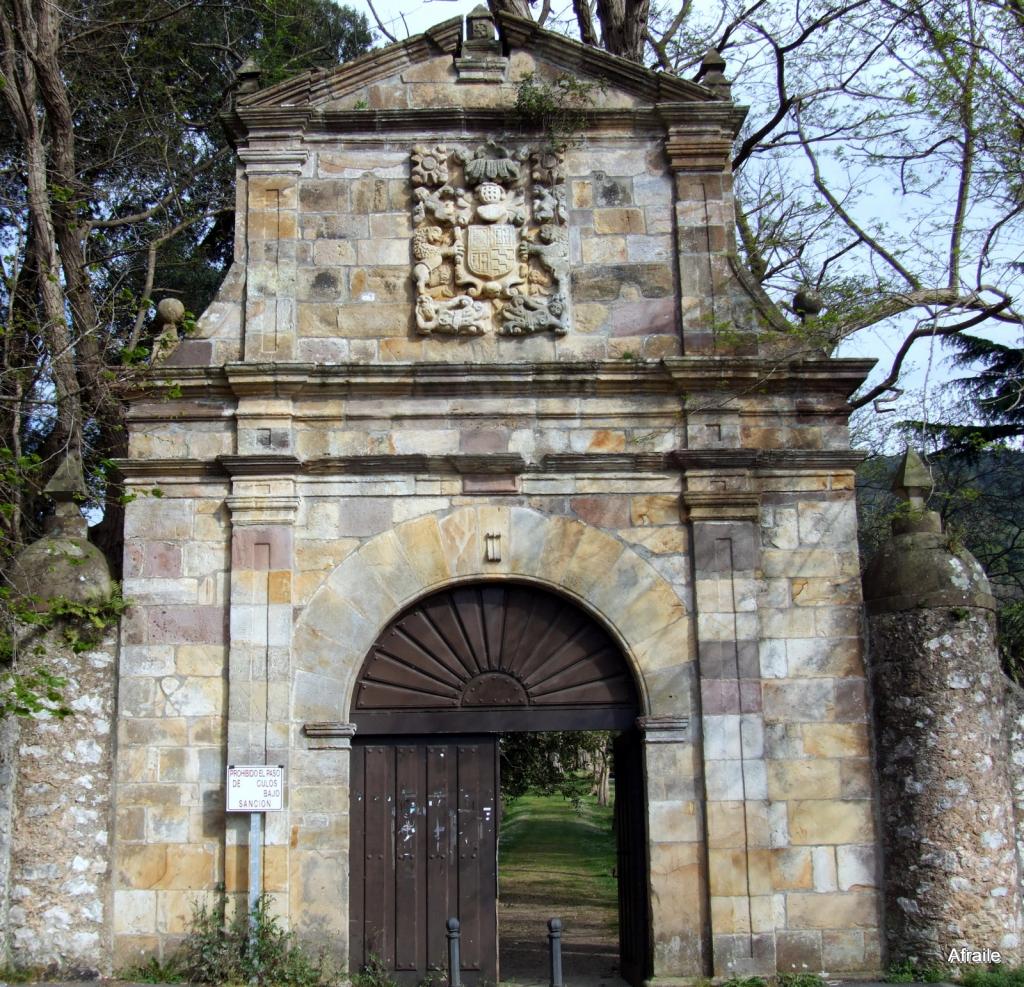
(170, 310)
(807, 302)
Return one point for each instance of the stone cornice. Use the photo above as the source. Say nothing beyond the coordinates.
(501, 464)
(766, 460)
(329, 729)
(702, 120)
(456, 123)
(283, 161)
(664, 729)
(607, 462)
(754, 462)
(168, 469)
(417, 380)
(699, 375)
(261, 465)
(262, 510)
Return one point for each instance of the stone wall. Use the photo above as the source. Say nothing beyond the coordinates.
(172, 715)
(1015, 766)
(58, 897)
(941, 710)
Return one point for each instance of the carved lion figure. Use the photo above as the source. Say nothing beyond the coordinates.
(524, 316)
(429, 254)
(462, 316)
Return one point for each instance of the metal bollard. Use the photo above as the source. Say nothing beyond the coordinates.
(555, 945)
(454, 963)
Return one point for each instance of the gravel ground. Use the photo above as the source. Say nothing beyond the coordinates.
(590, 944)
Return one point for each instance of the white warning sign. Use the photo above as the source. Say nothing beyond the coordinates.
(255, 787)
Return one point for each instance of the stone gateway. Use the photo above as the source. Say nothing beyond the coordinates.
(481, 363)
(487, 431)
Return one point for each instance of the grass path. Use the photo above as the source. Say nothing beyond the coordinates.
(553, 862)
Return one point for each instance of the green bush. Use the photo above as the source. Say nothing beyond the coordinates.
(909, 973)
(800, 980)
(216, 951)
(994, 976)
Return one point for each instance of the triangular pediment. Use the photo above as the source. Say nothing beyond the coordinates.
(421, 72)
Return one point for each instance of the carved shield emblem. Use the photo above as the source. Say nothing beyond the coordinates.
(491, 250)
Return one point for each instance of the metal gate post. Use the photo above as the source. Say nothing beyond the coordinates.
(555, 946)
(454, 963)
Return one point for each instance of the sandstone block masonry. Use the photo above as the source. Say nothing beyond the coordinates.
(450, 354)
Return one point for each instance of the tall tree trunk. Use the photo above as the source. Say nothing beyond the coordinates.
(28, 32)
(624, 27)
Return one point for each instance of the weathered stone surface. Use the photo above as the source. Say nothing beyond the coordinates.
(939, 701)
(54, 832)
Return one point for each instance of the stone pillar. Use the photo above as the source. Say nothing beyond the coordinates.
(951, 874)
(675, 837)
(57, 774)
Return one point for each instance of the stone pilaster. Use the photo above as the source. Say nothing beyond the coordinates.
(272, 225)
(259, 658)
(723, 513)
(699, 158)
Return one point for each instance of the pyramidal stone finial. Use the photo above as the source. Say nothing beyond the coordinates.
(247, 78)
(913, 484)
(711, 74)
(913, 481)
(66, 489)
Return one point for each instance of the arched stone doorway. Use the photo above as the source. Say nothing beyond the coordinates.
(603, 576)
(447, 676)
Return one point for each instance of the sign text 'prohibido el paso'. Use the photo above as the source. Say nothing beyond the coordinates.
(255, 787)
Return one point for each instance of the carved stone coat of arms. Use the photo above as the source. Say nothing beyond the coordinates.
(490, 243)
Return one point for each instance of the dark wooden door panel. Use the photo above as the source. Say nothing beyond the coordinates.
(424, 848)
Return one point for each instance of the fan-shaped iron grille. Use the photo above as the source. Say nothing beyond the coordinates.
(493, 657)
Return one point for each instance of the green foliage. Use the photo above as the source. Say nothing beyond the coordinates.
(82, 625)
(559, 762)
(153, 972)
(559, 108)
(908, 972)
(800, 980)
(216, 951)
(150, 166)
(18, 974)
(374, 974)
(995, 976)
(993, 389)
(745, 982)
(35, 690)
